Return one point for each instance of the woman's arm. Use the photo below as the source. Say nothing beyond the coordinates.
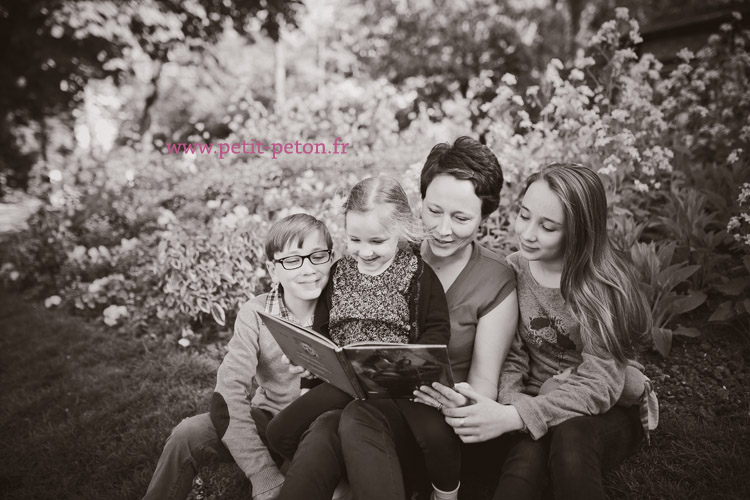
(495, 331)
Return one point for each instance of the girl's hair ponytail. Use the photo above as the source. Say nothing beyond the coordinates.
(386, 196)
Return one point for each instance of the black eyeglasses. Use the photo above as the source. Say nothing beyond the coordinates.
(295, 261)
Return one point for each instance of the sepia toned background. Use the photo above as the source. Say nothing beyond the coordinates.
(123, 265)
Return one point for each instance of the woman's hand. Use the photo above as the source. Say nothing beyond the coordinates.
(483, 419)
(296, 369)
(440, 396)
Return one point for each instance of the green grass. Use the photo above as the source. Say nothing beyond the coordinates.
(84, 414)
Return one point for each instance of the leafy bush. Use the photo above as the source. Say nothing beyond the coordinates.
(661, 279)
(170, 245)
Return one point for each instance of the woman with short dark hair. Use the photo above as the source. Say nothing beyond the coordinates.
(460, 186)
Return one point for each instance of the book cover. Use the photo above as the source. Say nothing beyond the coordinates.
(365, 369)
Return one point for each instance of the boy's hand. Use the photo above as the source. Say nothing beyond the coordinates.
(295, 368)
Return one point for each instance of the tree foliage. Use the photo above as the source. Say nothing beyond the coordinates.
(52, 49)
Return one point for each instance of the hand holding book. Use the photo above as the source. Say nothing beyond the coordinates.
(363, 370)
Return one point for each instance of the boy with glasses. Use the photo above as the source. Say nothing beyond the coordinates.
(299, 254)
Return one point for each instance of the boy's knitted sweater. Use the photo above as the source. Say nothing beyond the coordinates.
(251, 373)
(548, 344)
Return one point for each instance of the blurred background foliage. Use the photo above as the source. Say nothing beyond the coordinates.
(168, 245)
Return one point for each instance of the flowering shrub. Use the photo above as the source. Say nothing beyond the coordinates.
(362, 113)
(735, 287)
(601, 112)
(739, 225)
(180, 263)
(171, 245)
(653, 138)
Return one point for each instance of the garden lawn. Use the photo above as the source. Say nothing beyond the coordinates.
(85, 412)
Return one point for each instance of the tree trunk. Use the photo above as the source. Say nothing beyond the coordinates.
(279, 75)
(145, 122)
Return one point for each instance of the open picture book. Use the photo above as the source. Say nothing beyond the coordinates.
(363, 369)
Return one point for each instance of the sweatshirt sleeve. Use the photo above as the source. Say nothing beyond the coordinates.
(230, 404)
(514, 373)
(592, 389)
(436, 328)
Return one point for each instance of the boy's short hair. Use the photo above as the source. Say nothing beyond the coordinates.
(293, 228)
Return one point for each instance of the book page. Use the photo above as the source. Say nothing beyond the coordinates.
(395, 370)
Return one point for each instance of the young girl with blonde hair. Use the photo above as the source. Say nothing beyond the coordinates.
(382, 291)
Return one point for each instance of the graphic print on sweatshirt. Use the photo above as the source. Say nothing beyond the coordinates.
(547, 328)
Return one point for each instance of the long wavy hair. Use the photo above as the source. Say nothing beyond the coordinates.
(598, 283)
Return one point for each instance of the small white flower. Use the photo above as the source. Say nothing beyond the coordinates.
(608, 170)
(508, 79)
(532, 91)
(184, 342)
(55, 175)
(686, 54)
(127, 245)
(620, 115)
(166, 217)
(241, 211)
(93, 254)
(78, 253)
(576, 74)
(104, 252)
(213, 204)
(734, 156)
(517, 100)
(95, 286)
(229, 220)
(585, 62)
(557, 63)
(113, 313)
(640, 187)
(51, 301)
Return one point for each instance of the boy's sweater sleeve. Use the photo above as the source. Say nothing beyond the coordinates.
(230, 404)
(592, 389)
(436, 325)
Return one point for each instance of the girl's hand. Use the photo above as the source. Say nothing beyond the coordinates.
(440, 396)
(295, 368)
(482, 420)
